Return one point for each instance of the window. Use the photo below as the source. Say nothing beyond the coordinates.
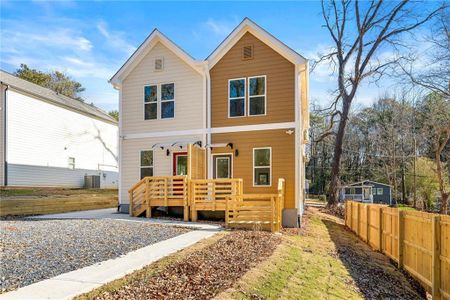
(247, 52)
(380, 191)
(162, 96)
(150, 102)
(257, 95)
(167, 100)
(262, 164)
(374, 191)
(71, 162)
(146, 164)
(236, 97)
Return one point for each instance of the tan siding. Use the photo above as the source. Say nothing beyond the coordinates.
(266, 61)
(188, 94)
(283, 158)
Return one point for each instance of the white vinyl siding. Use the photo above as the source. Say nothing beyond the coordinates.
(188, 89)
(162, 164)
(46, 135)
(2, 134)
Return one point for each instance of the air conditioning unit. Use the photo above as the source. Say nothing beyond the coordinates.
(91, 181)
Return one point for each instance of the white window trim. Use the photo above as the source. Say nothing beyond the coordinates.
(164, 101)
(378, 191)
(71, 164)
(265, 95)
(245, 98)
(231, 161)
(158, 101)
(260, 167)
(146, 167)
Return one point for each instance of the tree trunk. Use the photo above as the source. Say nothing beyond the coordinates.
(444, 194)
(333, 192)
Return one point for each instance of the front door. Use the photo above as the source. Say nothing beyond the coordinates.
(180, 163)
(222, 165)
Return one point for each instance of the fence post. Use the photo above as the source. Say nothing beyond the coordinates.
(436, 261)
(380, 232)
(148, 212)
(186, 194)
(130, 209)
(401, 237)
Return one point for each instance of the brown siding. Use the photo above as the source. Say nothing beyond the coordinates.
(283, 158)
(266, 61)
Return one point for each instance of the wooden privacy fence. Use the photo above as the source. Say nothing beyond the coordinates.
(419, 242)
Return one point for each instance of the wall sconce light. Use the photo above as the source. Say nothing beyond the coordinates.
(167, 152)
(236, 152)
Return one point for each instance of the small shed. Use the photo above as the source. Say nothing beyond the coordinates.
(367, 191)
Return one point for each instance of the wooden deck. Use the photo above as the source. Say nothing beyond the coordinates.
(194, 195)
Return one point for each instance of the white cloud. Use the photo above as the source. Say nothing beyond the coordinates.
(221, 28)
(115, 38)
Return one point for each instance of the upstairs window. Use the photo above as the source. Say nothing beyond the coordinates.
(71, 162)
(262, 166)
(150, 102)
(146, 164)
(257, 95)
(167, 100)
(159, 98)
(236, 97)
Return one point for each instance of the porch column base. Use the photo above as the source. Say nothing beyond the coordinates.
(290, 218)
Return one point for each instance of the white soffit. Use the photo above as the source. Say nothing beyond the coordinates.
(248, 25)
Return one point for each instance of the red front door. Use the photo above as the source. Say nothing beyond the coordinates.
(180, 163)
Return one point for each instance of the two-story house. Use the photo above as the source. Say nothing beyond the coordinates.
(246, 105)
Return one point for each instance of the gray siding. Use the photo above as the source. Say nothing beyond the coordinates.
(26, 175)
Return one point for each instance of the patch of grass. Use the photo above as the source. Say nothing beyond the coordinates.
(405, 207)
(16, 192)
(303, 267)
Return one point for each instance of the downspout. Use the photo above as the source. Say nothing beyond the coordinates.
(5, 163)
(208, 116)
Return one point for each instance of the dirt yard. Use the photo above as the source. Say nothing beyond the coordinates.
(323, 260)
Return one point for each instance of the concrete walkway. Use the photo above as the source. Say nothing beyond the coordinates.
(111, 213)
(72, 284)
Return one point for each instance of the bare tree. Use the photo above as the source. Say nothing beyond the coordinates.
(359, 32)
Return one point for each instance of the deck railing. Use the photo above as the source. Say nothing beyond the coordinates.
(159, 191)
(250, 210)
(211, 194)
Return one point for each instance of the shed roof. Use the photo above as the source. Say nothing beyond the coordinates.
(370, 181)
(53, 97)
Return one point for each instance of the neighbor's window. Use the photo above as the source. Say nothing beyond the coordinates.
(262, 164)
(380, 191)
(236, 97)
(374, 191)
(146, 163)
(257, 95)
(71, 162)
(150, 102)
(167, 100)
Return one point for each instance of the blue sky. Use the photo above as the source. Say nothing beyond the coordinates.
(91, 40)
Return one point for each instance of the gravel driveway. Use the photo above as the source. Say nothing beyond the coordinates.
(31, 251)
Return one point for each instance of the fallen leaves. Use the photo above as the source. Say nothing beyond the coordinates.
(203, 273)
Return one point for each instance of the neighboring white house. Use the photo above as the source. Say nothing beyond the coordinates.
(48, 139)
(162, 109)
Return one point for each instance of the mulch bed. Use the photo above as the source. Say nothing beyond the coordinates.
(203, 273)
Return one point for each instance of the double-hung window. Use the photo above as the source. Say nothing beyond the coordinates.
(161, 98)
(236, 97)
(262, 166)
(167, 100)
(257, 95)
(151, 102)
(146, 163)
